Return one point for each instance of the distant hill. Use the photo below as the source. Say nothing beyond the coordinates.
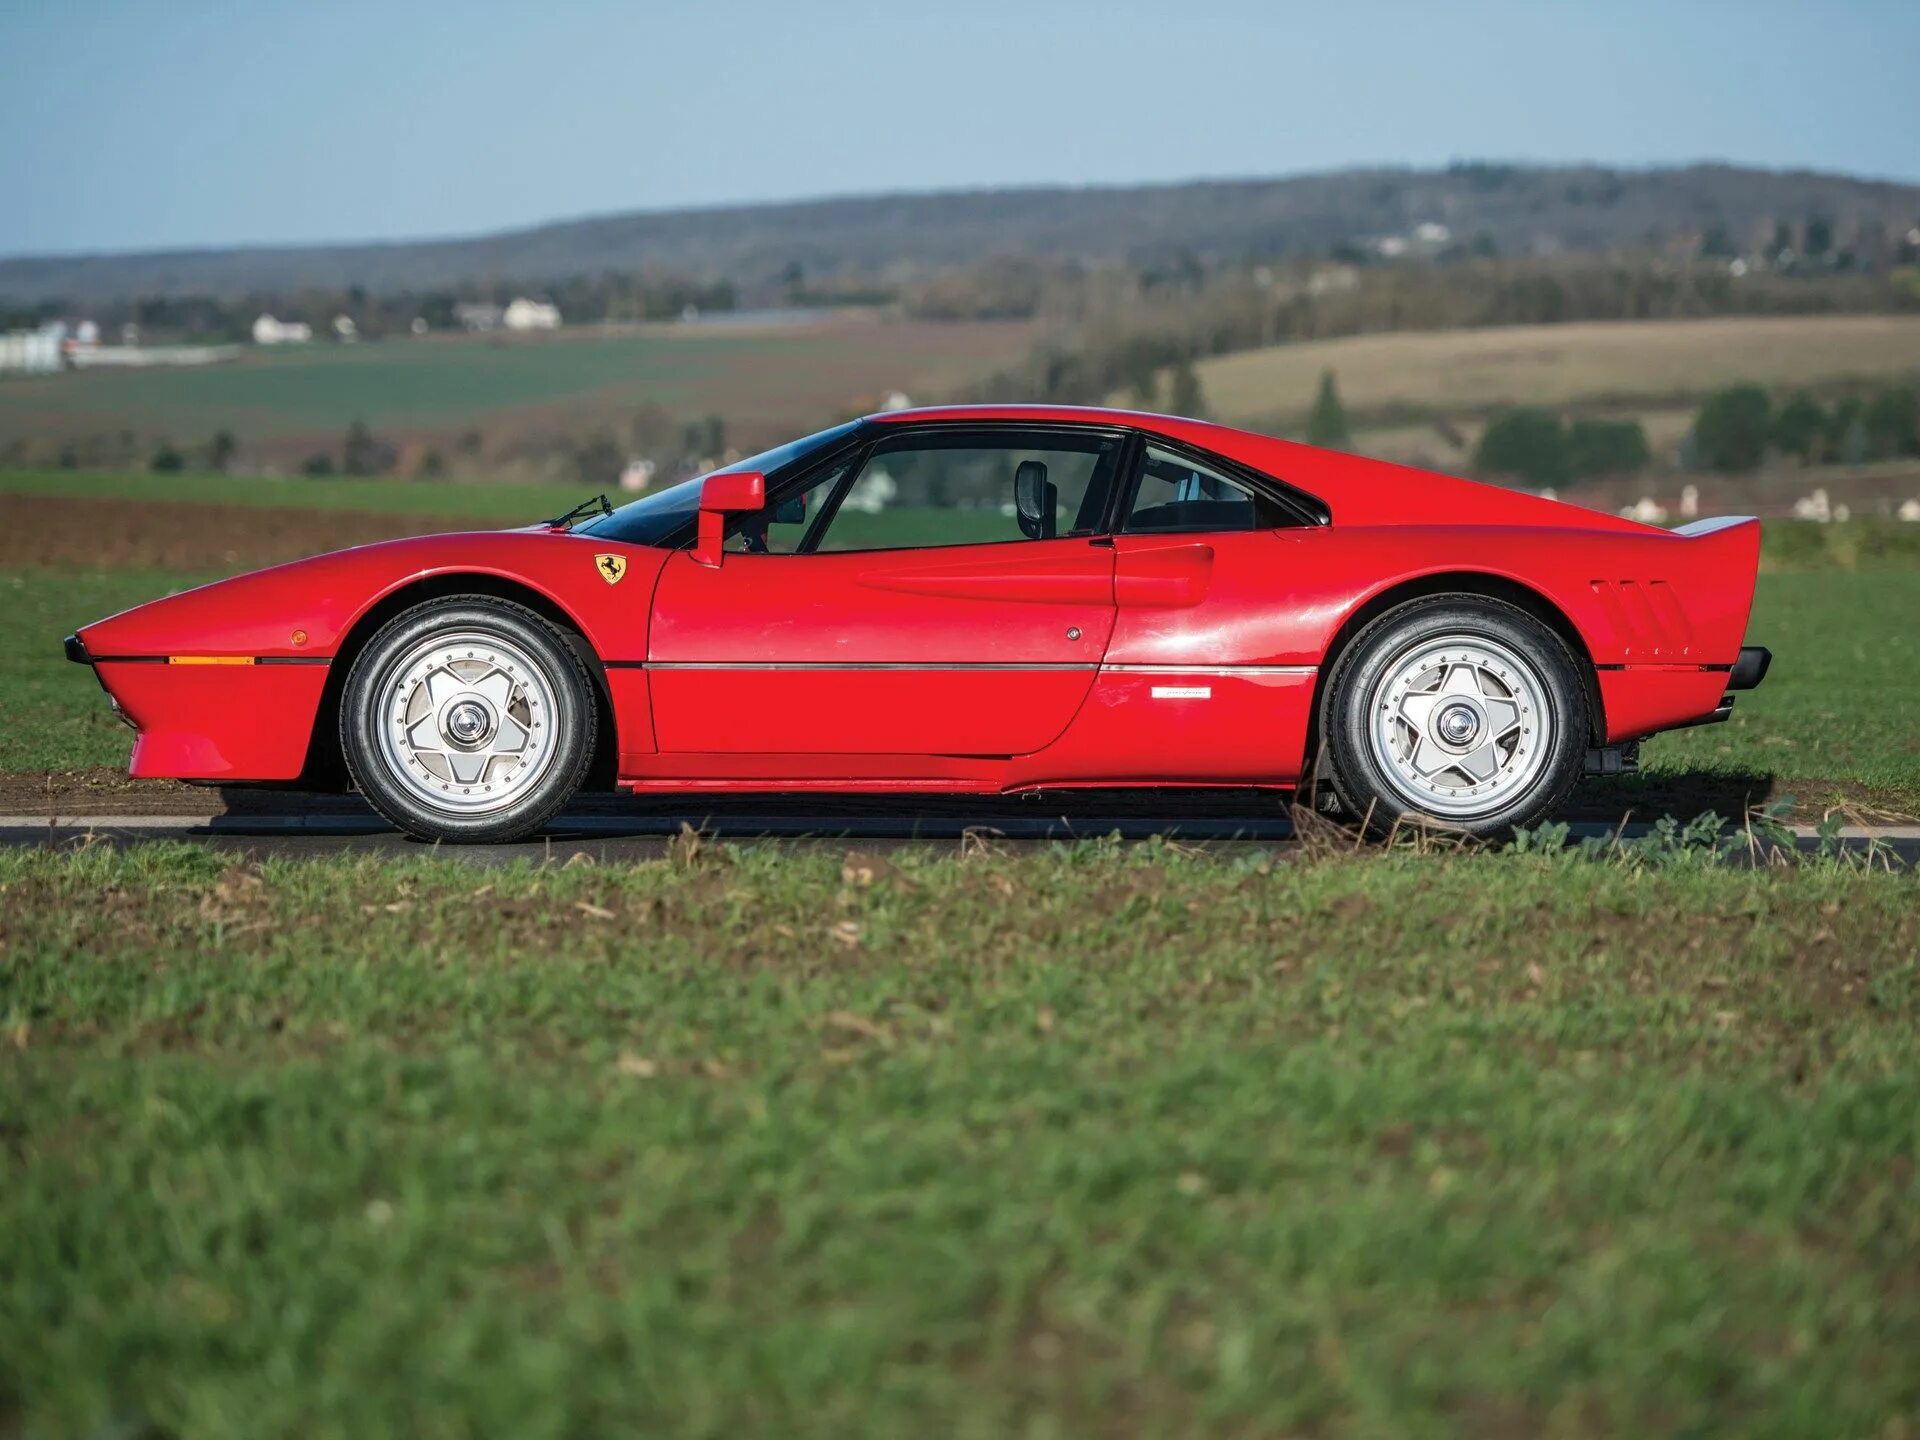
(1523, 209)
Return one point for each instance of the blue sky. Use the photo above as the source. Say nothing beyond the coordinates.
(134, 124)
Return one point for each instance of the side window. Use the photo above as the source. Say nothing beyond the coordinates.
(1175, 496)
(968, 488)
(782, 529)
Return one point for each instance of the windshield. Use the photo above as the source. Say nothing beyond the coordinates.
(654, 519)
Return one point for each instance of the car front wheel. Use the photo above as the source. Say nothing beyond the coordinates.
(468, 719)
(1458, 711)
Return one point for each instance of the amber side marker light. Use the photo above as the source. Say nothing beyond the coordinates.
(209, 660)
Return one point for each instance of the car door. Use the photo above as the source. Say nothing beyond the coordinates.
(1201, 682)
(901, 603)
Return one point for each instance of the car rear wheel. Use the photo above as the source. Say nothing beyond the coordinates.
(1457, 711)
(468, 719)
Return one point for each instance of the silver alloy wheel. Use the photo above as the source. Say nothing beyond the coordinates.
(1461, 725)
(468, 722)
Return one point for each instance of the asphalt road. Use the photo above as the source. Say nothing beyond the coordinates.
(638, 829)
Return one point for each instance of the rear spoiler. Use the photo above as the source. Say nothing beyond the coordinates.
(1709, 527)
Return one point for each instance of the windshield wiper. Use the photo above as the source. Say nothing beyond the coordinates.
(599, 505)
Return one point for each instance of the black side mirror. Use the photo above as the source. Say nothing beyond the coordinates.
(1035, 498)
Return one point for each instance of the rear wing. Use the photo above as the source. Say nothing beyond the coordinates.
(1718, 523)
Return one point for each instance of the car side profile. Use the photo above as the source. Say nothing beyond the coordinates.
(970, 600)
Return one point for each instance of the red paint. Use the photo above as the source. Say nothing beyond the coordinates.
(730, 493)
(218, 722)
(971, 668)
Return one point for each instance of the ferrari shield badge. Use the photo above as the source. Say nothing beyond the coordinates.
(611, 567)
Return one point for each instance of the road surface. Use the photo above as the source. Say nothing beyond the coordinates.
(623, 828)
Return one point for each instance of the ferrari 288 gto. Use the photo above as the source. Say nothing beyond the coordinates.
(972, 600)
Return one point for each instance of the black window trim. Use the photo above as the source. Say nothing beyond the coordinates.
(1307, 510)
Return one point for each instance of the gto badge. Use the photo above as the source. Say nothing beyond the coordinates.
(611, 567)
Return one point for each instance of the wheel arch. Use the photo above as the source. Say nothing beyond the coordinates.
(326, 768)
(1481, 583)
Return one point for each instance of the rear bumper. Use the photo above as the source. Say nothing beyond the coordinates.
(1751, 668)
(1642, 700)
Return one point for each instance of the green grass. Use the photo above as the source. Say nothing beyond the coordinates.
(485, 500)
(57, 716)
(1076, 1142)
(1835, 705)
(400, 384)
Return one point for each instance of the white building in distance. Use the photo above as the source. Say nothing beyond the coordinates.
(524, 314)
(269, 331)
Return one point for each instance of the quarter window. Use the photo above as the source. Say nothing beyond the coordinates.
(1180, 496)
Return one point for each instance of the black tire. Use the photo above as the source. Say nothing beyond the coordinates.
(1526, 786)
(549, 705)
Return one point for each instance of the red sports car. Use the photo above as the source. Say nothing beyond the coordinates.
(973, 600)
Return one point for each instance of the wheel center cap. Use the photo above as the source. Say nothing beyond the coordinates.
(468, 722)
(1457, 724)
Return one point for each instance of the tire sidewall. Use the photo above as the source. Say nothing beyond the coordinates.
(571, 731)
(1347, 722)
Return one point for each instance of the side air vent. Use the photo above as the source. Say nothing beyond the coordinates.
(1647, 617)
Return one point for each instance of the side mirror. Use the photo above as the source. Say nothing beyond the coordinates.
(1035, 498)
(791, 512)
(729, 493)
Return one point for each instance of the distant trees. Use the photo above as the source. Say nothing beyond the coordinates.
(1606, 447)
(705, 438)
(1736, 427)
(1527, 443)
(1892, 422)
(1533, 445)
(599, 461)
(167, 460)
(1731, 431)
(220, 451)
(1800, 428)
(1107, 336)
(1184, 395)
(1327, 422)
(362, 454)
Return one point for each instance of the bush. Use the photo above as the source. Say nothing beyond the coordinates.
(317, 466)
(1185, 397)
(1731, 431)
(166, 460)
(1606, 447)
(1526, 443)
(1327, 425)
(1892, 420)
(362, 454)
(1800, 428)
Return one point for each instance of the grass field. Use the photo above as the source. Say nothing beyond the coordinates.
(498, 501)
(1080, 1140)
(774, 382)
(1091, 1141)
(1642, 364)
